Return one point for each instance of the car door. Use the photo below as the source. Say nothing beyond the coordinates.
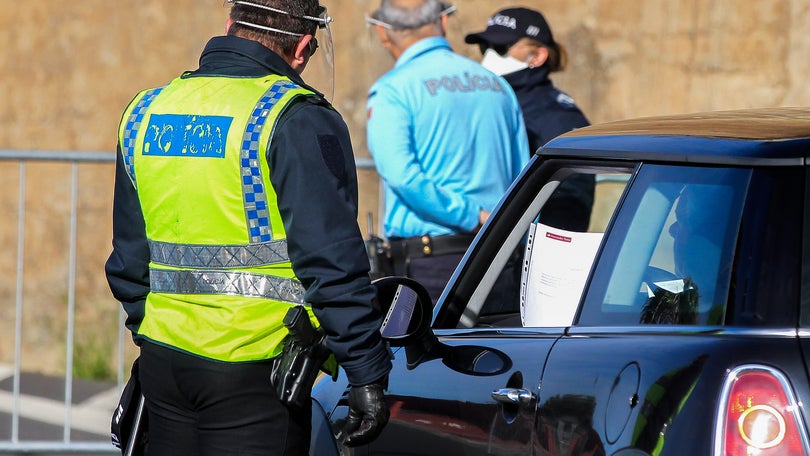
(444, 405)
(691, 251)
(475, 391)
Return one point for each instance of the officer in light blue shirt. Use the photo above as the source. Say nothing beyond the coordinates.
(447, 137)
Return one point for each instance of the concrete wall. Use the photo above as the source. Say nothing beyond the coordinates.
(70, 67)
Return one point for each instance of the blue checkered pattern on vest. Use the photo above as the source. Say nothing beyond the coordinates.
(131, 131)
(256, 209)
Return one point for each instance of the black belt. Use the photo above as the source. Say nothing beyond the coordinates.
(426, 245)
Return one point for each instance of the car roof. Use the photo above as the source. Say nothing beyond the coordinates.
(763, 136)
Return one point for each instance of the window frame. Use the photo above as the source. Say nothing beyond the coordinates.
(492, 247)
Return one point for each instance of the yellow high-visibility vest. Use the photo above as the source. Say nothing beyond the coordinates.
(221, 280)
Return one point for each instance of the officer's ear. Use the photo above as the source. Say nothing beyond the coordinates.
(301, 54)
(383, 35)
(387, 42)
(444, 24)
(538, 57)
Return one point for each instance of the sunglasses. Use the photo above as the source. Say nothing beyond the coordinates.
(313, 46)
(501, 49)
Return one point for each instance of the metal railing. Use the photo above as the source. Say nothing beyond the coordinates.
(22, 406)
(66, 445)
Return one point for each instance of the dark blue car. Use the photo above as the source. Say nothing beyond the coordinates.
(678, 324)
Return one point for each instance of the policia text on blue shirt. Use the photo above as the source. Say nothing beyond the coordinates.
(469, 83)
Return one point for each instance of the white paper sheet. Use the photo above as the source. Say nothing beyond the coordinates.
(556, 265)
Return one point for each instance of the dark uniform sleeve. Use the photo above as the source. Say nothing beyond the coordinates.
(313, 171)
(127, 268)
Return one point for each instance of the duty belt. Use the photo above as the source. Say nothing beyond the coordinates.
(404, 249)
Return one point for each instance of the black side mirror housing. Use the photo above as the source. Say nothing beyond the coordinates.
(408, 311)
(407, 308)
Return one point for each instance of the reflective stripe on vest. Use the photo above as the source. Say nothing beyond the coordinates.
(218, 256)
(230, 283)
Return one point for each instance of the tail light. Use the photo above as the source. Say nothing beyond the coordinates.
(759, 415)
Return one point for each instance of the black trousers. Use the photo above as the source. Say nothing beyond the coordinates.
(202, 407)
(433, 272)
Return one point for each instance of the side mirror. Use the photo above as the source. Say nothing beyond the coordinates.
(407, 308)
(408, 312)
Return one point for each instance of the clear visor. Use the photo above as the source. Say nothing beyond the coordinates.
(320, 71)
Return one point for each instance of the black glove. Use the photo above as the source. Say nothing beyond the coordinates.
(368, 414)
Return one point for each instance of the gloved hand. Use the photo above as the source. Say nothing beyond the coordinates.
(368, 414)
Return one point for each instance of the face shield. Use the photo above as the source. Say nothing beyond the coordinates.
(320, 68)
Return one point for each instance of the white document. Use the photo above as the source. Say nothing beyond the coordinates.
(556, 265)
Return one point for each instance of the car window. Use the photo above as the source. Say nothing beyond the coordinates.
(553, 247)
(669, 256)
(672, 245)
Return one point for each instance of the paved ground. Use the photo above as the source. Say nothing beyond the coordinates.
(42, 411)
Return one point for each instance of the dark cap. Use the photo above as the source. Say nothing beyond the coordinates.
(509, 25)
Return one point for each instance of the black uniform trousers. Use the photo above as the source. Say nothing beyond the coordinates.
(434, 272)
(202, 407)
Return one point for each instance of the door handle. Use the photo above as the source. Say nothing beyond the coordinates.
(513, 396)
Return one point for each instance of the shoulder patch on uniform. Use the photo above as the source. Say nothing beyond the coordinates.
(332, 155)
(565, 100)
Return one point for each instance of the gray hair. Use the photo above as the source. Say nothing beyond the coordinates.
(401, 17)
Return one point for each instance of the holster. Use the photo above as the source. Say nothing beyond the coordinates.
(301, 359)
(379, 257)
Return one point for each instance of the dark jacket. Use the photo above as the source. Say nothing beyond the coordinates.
(548, 113)
(313, 172)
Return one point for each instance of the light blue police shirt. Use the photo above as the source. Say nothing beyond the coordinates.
(447, 137)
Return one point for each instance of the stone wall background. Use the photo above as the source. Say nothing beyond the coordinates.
(70, 67)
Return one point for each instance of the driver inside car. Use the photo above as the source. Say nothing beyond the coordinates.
(701, 218)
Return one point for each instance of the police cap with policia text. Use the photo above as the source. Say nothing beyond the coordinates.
(509, 25)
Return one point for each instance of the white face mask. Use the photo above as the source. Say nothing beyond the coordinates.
(502, 64)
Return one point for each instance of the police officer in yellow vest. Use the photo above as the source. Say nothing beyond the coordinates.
(236, 199)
